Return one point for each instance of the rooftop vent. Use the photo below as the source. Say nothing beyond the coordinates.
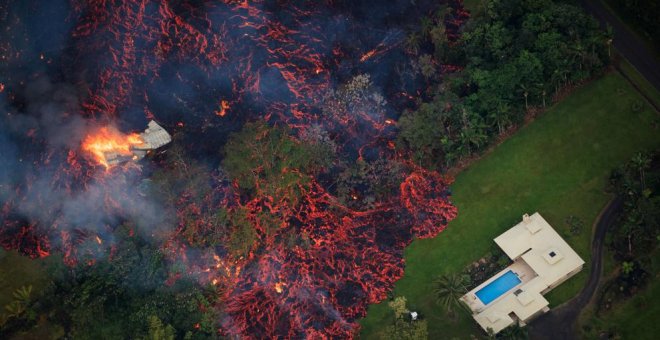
(552, 256)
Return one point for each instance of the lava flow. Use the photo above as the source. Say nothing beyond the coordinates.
(204, 69)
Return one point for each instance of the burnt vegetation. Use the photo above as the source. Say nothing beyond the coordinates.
(307, 140)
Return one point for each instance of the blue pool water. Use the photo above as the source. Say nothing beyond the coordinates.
(498, 287)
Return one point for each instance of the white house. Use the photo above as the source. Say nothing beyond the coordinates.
(541, 261)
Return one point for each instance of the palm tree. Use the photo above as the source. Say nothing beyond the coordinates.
(525, 92)
(499, 115)
(426, 24)
(541, 87)
(413, 42)
(641, 161)
(579, 52)
(609, 39)
(448, 290)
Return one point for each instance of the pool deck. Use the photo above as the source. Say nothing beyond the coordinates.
(541, 259)
(523, 270)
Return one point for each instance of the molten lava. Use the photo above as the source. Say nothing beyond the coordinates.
(276, 61)
(107, 142)
(224, 106)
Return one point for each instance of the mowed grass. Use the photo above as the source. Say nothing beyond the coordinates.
(558, 165)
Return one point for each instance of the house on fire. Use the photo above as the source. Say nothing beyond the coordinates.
(151, 139)
(541, 261)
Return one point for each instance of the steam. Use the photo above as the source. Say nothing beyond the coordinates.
(37, 182)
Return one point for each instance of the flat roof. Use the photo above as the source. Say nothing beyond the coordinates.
(541, 258)
(544, 250)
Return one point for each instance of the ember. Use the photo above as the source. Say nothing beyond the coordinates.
(224, 106)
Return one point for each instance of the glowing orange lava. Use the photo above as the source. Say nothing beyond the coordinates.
(279, 287)
(224, 106)
(108, 141)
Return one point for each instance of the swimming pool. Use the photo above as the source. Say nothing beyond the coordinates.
(495, 289)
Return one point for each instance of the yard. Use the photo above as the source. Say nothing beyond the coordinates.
(557, 165)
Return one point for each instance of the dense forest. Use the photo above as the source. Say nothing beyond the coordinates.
(505, 66)
(516, 58)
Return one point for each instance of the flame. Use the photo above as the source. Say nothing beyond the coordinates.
(368, 55)
(224, 106)
(279, 287)
(109, 140)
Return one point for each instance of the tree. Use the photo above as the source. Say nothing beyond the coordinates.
(362, 184)
(158, 331)
(426, 66)
(541, 88)
(641, 162)
(422, 131)
(500, 116)
(404, 327)
(525, 92)
(413, 42)
(270, 159)
(19, 308)
(448, 290)
(627, 267)
(243, 235)
(116, 296)
(472, 135)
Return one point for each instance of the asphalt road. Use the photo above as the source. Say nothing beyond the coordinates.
(560, 323)
(627, 43)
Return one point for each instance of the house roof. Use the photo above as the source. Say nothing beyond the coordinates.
(544, 250)
(542, 259)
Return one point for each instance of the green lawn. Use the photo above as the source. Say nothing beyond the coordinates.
(558, 165)
(635, 318)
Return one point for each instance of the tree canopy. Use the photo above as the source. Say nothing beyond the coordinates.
(516, 55)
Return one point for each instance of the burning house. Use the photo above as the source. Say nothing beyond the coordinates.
(152, 138)
(111, 147)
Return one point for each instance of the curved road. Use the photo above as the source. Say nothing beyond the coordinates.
(560, 323)
(627, 42)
